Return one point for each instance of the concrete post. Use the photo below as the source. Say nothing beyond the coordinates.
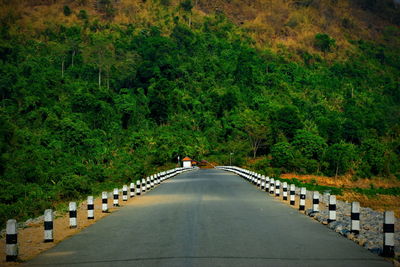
(131, 190)
(143, 187)
(104, 202)
(90, 207)
(315, 206)
(116, 197)
(272, 186)
(138, 187)
(72, 215)
(48, 225)
(267, 184)
(262, 182)
(284, 189)
(355, 217)
(292, 194)
(124, 192)
(303, 192)
(11, 241)
(332, 208)
(277, 188)
(388, 234)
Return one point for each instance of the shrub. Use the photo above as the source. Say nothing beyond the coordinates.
(67, 11)
(324, 42)
(82, 15)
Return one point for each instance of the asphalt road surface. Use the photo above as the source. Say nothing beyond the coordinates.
(207, 218)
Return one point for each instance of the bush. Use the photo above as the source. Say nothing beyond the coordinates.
(83, 15)
(67, 11)
(323, 42)
(74, 186)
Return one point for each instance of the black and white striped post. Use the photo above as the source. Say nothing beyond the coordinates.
(48, 226)
(143, 187)
(272, 186)
(72, 215)
(104, 202)
(388, 234)
(355, 218)
(90, 208)
(131, 190)
(152, 181)
(148, 186)
(315, 201)
(277, 188)
(11, 240)
(284, 190)
(138, 187)
(115, 197)
(292, 194)
(267, 184)
(332, 208)
(303, 192)
(262, 182)
(259, 180)
(124, 192)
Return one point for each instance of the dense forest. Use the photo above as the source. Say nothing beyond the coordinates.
(92, 104)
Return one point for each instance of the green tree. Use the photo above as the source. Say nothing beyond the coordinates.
(100, 52)
(282, 155)
(341, 158)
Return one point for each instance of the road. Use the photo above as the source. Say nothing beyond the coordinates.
(207, 218)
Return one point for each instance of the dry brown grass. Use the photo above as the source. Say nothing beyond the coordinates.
(270, 23)
(378, 202)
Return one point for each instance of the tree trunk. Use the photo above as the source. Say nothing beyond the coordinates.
(62, 69)
(337, 170)
(72, 59)
(99, 77)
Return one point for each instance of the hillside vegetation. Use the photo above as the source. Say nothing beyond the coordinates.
(97, 93)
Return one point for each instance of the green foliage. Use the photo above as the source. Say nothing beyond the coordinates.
(83, 15)
(282, 155)
(310, 145)
(186, 5)
(324, 42)
(88, 107)
(67, 11)
(340, 158)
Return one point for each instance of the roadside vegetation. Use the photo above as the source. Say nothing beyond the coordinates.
(91, 99)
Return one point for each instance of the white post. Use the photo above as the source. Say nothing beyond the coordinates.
(272, 186)
(11, 240)
(355, 217)
(315, 207)
(388, 234)
(152, 181)
(48, 226)
(303, 192)
(124, 192)
(138, 187)
(90, 208)
(143, 188)
(262, 182)
(284, 188)
(292, 194)
(148, 186)
(132, 190)
(277, 188)
(104, 202)
(72, 215)
(267, 184)
(116, 197)
(332, 208)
